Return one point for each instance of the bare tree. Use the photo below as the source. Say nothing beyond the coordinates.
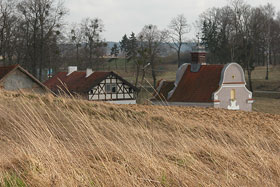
(269, 13)
(41, 20)
(153, 38)
(178, 28)
(76, 38)
(8, 25)
(91, 30)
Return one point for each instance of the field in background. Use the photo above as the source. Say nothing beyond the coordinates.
(50, 141)
(264, 102)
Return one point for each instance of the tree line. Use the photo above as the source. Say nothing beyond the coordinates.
(34, 34)
(241, 33)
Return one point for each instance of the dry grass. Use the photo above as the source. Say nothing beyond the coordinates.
(47, 141)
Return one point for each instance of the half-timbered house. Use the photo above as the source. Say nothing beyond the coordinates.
(94, 86)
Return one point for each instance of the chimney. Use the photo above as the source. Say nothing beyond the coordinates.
(198, 55)
(71, 69)
(88, 72)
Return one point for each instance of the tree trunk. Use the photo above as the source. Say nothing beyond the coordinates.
(90, 55)
(77, 54)
(179, 58)
(154, 74)
(143, 77)
(249, 78)
(267, 66)
(137, 74)
(34, 58)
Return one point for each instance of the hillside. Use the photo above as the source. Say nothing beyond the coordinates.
(47, 141)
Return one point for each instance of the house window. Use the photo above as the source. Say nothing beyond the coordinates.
(114, 88)
(111, 88)
(232, 95)
(108, 88)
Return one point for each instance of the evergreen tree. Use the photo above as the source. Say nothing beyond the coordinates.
(115, 52)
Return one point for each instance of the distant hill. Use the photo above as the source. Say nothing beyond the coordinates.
(185, 47)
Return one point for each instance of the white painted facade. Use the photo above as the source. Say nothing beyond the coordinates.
(113, 90)
(233, 78)
(126, 102)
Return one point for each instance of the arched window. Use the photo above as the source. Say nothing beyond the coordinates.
(232, 94)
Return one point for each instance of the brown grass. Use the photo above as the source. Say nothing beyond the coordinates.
(47, 141)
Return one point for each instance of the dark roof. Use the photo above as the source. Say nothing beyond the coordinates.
(198, 86)
(6, 70)
(77, 82)
(165, 87)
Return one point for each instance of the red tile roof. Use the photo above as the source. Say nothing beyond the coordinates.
(6, 69)
(76, 82)
(198, 86)
(166, 87)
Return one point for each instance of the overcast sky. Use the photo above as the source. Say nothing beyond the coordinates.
(126, 16)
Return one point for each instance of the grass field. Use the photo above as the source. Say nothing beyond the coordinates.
(48, 141)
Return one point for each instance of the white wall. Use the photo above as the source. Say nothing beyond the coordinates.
(125, 97)
(123, 102)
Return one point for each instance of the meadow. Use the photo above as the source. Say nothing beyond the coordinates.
(57, 141)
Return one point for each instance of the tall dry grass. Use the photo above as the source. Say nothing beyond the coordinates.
(48, 141)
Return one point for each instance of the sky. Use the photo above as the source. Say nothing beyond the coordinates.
(125, 16)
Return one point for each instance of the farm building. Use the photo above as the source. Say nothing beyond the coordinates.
(205, 85)
(15, 77)
(95, 86)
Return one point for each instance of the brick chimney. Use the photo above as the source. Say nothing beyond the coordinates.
(198, 55)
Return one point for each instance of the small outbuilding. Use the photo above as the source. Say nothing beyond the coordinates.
(93, 86)
(205, 85)
(14, 77)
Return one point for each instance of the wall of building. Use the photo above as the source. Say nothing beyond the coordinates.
(233, 73)
(241, 93)
(111, 96)
(19, 80)
(233, 78)
(123, 102)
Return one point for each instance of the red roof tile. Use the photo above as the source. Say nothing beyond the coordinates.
(76, 82)
(166, 87)
(6, 69)
(198, 86)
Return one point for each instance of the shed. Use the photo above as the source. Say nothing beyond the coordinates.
(14, 77)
